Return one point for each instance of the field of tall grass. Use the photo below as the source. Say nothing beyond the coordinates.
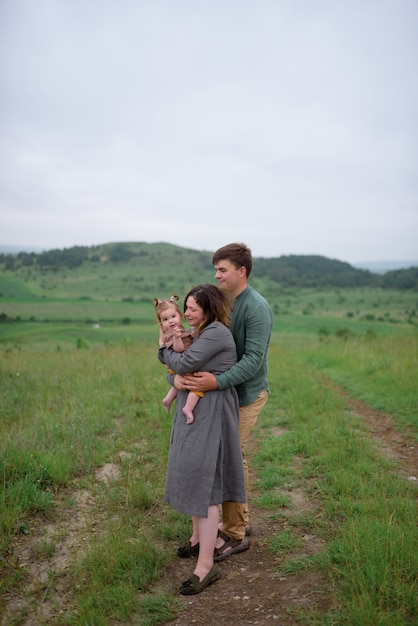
(76, 398)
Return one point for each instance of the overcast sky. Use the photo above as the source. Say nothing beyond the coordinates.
(290, 125)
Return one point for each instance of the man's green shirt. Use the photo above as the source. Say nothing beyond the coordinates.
(251, 326)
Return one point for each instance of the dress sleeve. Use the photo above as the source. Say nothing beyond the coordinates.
(203, 348)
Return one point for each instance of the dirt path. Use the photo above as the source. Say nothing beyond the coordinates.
(252, 589)
(392, 443)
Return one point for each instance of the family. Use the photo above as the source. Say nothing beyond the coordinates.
(218, 373)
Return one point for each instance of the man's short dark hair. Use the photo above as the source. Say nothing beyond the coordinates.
(237, 253)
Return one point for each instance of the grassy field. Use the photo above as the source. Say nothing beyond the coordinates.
(81, 390)
(307, 311)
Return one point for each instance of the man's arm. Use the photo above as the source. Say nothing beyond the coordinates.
(258, 330)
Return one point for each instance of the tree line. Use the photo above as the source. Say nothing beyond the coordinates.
(319, 271)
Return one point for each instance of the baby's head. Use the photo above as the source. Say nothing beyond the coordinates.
(168, 312)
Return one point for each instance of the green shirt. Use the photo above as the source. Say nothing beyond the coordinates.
(251, 326)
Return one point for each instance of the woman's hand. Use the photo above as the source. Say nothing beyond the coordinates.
(180, 382)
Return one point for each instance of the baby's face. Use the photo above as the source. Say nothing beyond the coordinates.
(170, 318)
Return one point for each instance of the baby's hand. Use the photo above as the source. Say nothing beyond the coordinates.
(161, 338)
(177, 331)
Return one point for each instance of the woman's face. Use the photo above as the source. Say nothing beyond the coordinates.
(193, 313)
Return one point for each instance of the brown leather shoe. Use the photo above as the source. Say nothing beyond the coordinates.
(231, 546)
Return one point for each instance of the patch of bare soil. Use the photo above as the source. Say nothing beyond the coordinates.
(392, 443)
(48, 587)
(253, 589)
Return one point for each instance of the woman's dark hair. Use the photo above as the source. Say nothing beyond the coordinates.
(214, 302)
(237, 253)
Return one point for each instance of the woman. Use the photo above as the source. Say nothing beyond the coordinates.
(205, 465)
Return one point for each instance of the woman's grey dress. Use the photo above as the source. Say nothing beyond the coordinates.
(205, 459)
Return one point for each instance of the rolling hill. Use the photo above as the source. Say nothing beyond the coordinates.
(140, 271)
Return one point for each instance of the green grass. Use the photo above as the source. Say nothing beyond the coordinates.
(311, 314)
(369, 512)
(86, 311)
(74, 398)
(110, 576)
(383, 371)
(68, 413)
(10, 286)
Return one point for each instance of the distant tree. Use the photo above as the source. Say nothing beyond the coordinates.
(10, 262)
(312, 271)
(401, 279)
(26, 258)
(121, 253)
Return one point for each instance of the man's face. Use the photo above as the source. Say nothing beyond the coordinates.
(230, 278)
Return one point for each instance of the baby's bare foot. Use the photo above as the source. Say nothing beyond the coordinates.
(189, 415)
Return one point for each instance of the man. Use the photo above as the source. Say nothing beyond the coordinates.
(251, 326)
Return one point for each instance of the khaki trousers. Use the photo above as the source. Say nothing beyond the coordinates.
(235, 516)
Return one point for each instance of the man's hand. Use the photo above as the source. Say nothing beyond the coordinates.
(200, 381)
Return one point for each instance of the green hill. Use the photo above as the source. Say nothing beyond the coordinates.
(139, 271)
(117, 271)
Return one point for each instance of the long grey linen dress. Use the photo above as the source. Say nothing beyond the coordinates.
(205, 460)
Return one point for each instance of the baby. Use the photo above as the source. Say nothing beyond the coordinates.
(179, 339)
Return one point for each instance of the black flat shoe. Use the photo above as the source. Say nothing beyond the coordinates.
(187, 551)
(193, 585)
